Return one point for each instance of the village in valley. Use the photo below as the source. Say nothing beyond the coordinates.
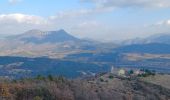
(127, 72)
(122, 73)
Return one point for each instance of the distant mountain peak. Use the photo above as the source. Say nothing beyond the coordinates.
(38, 36)
(163, 38)
(33, 31)
(62, 30)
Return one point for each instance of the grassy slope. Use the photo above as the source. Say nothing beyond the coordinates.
(163, 80)
(98, 88)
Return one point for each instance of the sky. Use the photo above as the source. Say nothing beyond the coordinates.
(102, 20)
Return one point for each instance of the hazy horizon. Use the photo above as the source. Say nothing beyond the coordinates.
(102, 20)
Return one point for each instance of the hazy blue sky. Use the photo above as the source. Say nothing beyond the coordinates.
(97, 19)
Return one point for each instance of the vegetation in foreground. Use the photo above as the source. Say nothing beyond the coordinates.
(101, 87)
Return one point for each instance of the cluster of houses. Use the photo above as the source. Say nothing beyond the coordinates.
(121, 73)
(130, 72)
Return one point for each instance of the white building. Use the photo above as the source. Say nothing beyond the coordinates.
(121, 72)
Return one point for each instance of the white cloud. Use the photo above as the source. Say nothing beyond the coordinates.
(163, 23)
(89, 24)
(130, 3)
(73, 22)
(14, 1)
(21, 18)
(81, 12)
(18, 23)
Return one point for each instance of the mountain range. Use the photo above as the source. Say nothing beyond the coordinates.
(40, 37)
(157, 38)
(59, 53)
(55, 44)
(47, 43)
